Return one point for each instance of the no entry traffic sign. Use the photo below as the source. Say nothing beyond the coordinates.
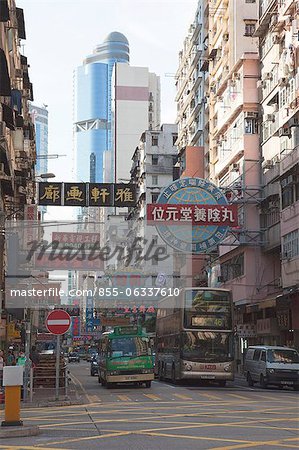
(58, 322)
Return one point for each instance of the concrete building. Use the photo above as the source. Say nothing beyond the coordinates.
(17, 142)
(277, 30)
(92, 106)
(39, 117)
(135, 108)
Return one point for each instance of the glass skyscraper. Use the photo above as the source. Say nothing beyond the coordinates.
(92, 106)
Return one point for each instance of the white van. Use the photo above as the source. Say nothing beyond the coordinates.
(272, 365)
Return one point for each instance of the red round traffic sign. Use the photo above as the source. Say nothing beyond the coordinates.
(58, 321)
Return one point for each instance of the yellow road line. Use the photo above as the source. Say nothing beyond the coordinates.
(88, 438)
(124, 398)
(152, 396)
(183, 397)
(258, 444)
(241, 397)
(213, 397)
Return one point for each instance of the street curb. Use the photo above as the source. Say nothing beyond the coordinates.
(15, 432)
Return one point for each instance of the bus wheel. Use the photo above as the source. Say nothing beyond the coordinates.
(148, 384)
(222, 383)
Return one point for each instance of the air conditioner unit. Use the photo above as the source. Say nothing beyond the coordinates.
(235, 167)
(284, 131)
(251, 114)
(226, 37)
(275, 39)
(260, 84)
(268, 164)
(268, 76)
(270, 117)
(294, 122)
(2, 128)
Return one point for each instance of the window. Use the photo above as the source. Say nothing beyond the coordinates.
(249, 28)
(289, 189)
(174, 138)
(154, 198)
(250, 125)
(250, 1)
(256, 355)
(155, 180)
(155, 160)
(233, 268)
(263, 356)
(290, 244)
(154, 140)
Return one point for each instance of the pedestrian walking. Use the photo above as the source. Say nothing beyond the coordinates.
(34, 356)
(10, 360)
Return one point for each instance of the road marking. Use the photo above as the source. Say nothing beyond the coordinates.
(241, 397)
(257, 444)
(183, 397)
(86, 438)
(210, 396)
(124, 398)
(152, 396)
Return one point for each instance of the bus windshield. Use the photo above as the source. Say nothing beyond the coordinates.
(204, 346)
(208, 309)
(128, 346)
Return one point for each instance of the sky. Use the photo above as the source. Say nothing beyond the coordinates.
(61, 33)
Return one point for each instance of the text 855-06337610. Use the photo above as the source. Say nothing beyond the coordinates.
(138, 292)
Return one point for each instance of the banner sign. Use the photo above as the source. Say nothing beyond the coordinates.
(89, 321)
(86, 194)
(75, 326)
(75, 240)
(63, 262)
(201, 215)
(192, 215)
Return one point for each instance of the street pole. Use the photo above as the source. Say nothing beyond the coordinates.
(57, 367)
(27, 352)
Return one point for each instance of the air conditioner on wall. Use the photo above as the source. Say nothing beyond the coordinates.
(251, 114)
(270, 117)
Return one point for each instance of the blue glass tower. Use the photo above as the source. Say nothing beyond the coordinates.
(92, 106)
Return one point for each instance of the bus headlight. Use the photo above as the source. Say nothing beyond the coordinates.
(227, 368)
(114, 372)
(188, 367)
(271, 370)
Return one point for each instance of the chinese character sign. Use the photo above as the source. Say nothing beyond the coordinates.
(50, 194)
(195, 214)
(87, 194)
(74, 194)
(89, 321)
(100, 194)
(124, 195)
(192, 215)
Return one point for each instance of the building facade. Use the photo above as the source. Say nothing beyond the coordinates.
(17, 142)
(39, 117)
(92, 106)
(135, 108)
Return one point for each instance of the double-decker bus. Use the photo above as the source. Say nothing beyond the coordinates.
(194, 336)
(125, 355)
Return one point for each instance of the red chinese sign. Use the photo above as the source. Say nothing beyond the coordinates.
(47, 261)
(75, 239)
(220, 215)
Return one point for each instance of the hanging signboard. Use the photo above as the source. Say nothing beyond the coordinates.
(192, 215)
(86, 194)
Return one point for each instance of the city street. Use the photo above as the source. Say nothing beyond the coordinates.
(166, 416)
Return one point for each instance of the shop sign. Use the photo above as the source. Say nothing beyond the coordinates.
(192, 215)
(246, 330)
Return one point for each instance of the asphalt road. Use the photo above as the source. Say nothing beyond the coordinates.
(166, 417)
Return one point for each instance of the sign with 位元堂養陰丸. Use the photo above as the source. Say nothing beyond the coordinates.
(86, 194)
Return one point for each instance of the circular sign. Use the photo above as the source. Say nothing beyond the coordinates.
(58, 322)
(192, 238)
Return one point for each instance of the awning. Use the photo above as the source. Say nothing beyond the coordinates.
(4, 11)
(5, 88)
(21, 23)
(267, 303)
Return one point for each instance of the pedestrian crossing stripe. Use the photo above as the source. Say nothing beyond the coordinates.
(152, 396)
(124, 398)
(211, 397)
(183, 397)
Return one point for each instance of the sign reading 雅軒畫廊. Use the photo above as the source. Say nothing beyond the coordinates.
(192, 215)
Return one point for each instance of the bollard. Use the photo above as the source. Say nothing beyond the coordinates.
(12, 381)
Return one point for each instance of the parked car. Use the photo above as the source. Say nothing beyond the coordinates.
(272, 365)
(73, 357)
(94, 365)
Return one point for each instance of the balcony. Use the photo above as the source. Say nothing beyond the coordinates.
(288, 160)
(267, 9)
(272, 237)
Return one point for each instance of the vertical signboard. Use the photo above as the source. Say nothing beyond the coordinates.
(89, 315)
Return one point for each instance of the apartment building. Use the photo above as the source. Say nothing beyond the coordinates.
(278, 29)
(17, 137)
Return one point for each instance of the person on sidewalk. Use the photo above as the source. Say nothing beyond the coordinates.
(10, 360)
(34, 356)
(1, 367)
